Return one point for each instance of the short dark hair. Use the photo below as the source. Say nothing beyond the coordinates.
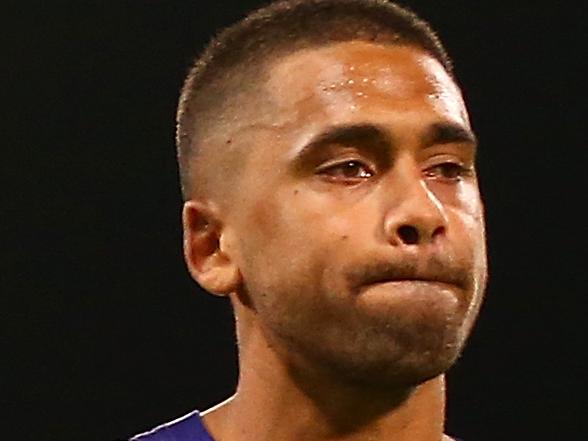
(232, 64)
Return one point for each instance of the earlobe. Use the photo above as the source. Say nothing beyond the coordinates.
(207, 249)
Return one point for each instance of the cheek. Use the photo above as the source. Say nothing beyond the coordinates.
(281, 239)
(468, 234)
(287, 257)
(299, 234)
(470, 228)
(468, 198)
(473, 219)
(299, 216)
(464, 196)
(471, 237)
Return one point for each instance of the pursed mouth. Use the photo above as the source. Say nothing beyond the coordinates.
(434, 272)
(437, 281)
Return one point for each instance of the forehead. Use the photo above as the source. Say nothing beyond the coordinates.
(340, 79)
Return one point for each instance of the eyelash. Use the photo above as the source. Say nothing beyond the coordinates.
(457, 172)
(351, 163)
(461, 171)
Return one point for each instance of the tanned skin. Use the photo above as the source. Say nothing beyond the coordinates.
(354, 255)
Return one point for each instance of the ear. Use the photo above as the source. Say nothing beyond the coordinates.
(207, 249)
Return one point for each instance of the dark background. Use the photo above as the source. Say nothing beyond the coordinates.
(107, 333)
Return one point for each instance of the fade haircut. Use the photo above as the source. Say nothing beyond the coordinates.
(228, 74)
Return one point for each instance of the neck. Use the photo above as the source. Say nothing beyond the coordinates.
(273, 403)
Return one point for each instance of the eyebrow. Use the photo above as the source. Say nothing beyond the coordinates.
(378, 138)
(448, 133)
(363, 135)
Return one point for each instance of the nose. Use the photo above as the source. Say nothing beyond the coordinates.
(417, 217)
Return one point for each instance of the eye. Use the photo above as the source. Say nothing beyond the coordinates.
(351, 170)
(449, 171)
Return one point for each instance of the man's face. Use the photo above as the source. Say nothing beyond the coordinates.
(359, 225)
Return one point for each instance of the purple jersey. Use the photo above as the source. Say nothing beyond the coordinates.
(186, 428)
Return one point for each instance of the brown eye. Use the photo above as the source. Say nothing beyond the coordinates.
(449, 171)
(348, 170)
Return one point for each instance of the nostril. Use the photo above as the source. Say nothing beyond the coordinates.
(408, 235)
(440, 231)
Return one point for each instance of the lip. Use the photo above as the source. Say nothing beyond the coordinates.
(445, 283)
(415, 279)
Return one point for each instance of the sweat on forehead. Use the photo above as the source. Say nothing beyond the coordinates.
(356, 67)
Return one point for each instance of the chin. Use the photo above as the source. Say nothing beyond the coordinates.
(396, 372)
(404, 355)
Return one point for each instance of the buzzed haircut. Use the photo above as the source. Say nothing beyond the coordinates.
(231, 69)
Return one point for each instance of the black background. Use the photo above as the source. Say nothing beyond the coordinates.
(107, 333)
